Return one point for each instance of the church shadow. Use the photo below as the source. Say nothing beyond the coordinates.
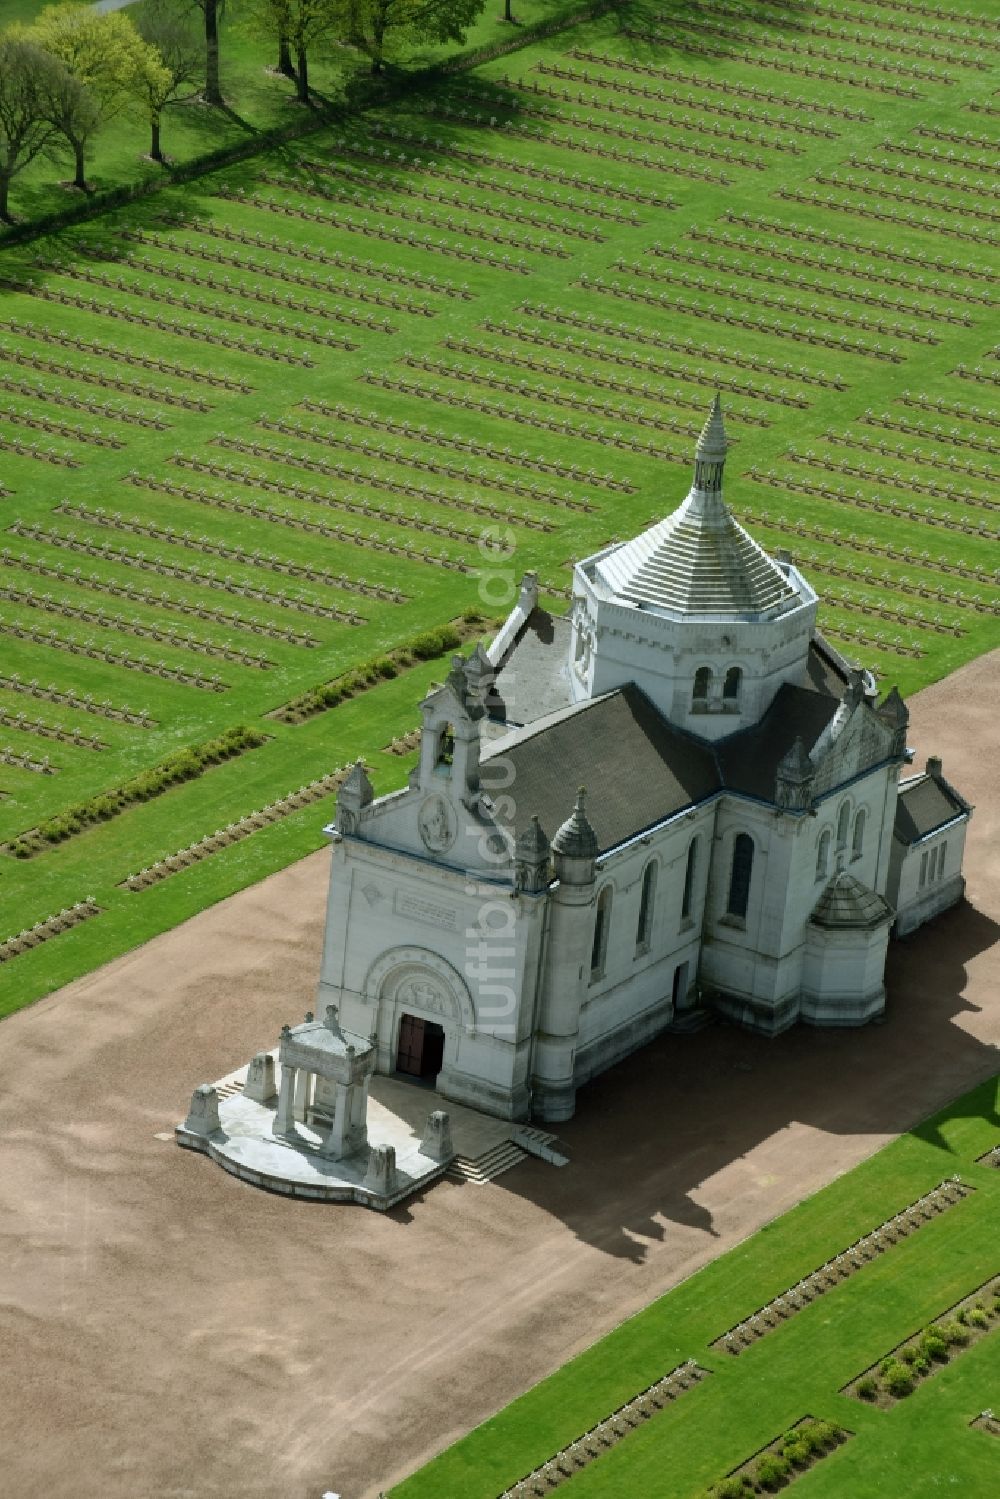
(665, 1138)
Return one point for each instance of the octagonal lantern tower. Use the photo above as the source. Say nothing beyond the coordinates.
(693, 611)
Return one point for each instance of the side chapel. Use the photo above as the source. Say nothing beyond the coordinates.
(745, 836)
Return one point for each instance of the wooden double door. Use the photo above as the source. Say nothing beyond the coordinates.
(421, 1047)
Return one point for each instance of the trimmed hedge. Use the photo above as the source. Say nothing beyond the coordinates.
(425, 647)
(185, 765)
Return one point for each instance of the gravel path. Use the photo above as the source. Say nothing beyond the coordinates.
(169, 1332)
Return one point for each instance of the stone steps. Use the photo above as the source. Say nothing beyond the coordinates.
(488, 1166)
(540, 1143)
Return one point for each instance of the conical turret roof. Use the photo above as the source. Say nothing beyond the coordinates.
(699, 560)
(576, 838)
(847, 903)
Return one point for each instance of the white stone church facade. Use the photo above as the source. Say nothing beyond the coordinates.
(745, 841)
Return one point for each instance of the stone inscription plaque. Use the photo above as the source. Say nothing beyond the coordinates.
(420, 908)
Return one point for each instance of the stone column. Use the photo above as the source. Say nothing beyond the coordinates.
(302, 1093)
(359, 1115)
(334, 1144)
(284, 1119)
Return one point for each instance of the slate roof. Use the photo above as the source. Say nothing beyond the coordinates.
(636, 767)
(533, 679)
(699, 560)
(749, 760)
(846, 903)
(925, 804)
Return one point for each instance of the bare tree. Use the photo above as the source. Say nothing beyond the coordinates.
(25, 128)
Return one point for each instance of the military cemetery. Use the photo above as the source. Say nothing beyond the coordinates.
(395, 399)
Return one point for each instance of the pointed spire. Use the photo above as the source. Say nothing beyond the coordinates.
(576, 838)
(796, 765)
(794, 779)
(533, 845)
(456, 676)
(893, 710)
(357, 789)
(532, 858)
(354, 794)
(478, 671)
(713, 443)
(894, 713)
(710, 451)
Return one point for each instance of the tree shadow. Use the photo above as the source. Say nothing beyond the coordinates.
(684, 26)
(650, 1135)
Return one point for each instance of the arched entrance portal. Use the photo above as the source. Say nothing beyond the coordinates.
(420, 1053)
(424, 1012)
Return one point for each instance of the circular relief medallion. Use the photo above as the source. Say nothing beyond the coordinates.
(438, 824)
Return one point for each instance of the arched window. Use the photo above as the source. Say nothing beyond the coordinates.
(858, 841)
(446, 745)
(731, 686)
(843, 823)
(741, 875)
(702, 682)
(602, 921)
(644, 929)
(692, 860)
(823, 855)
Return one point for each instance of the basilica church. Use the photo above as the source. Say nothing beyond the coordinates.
(676, 800)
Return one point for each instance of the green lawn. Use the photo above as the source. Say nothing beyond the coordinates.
(433, 320)
(256, 100)
(920, 1446)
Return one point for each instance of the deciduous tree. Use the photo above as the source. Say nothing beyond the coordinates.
(300, 25)
(71, 108)
(25, 128)
(371, 21)
(168, 30)
(102, 51)
(211, 11)
(104, 56)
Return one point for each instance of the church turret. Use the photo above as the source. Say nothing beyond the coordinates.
(575, 846)
(532, 866)
(356, 793)
(450, 737)
(567, 966)
(895, 715)
(794, 779)
(693, 611)
(479, 674)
